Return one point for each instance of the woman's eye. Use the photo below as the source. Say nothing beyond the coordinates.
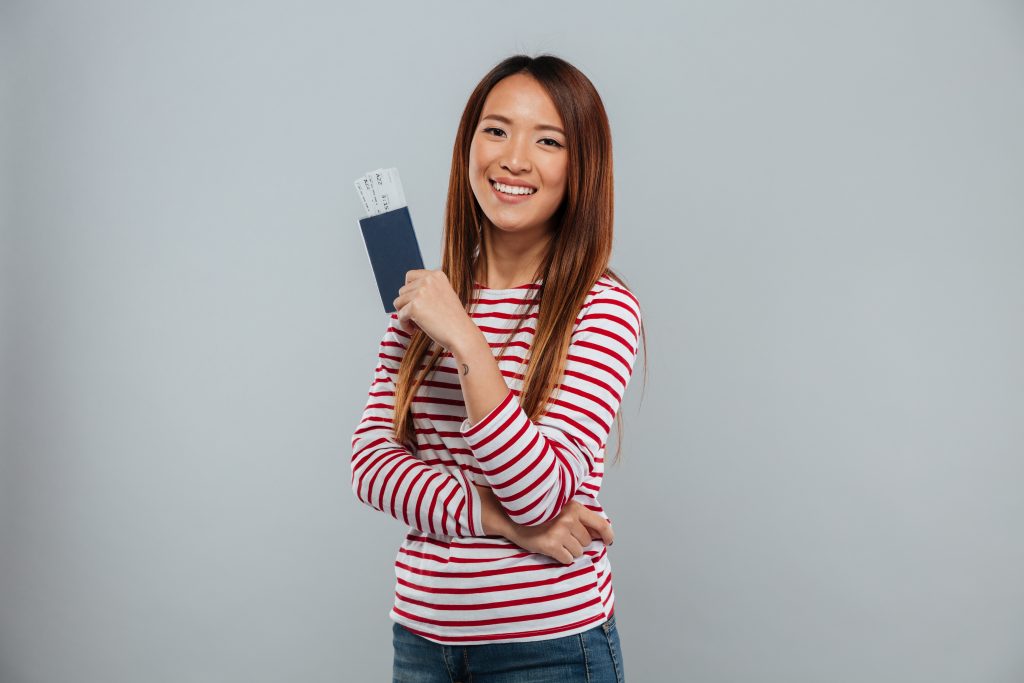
(496, 131)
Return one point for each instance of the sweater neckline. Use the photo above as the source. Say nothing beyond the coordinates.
(517, 289)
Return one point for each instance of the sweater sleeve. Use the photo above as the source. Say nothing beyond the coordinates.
(388, 477)
(535, 468)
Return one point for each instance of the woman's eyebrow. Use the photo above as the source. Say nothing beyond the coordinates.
(543, 126)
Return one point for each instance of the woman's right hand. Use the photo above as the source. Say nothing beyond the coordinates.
(564, 537)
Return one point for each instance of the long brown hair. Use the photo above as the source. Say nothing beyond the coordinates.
(577, 255)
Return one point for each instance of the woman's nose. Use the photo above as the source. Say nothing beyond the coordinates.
(517, 156)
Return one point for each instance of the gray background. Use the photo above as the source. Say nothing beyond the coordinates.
(819, 205)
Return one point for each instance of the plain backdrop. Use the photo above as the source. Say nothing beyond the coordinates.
(820, 206)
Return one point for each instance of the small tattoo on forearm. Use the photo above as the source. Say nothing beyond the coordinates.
(465, 369)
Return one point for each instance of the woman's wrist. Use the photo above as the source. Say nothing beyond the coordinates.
(468, 339)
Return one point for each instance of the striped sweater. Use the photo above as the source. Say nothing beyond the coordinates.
(455, 584)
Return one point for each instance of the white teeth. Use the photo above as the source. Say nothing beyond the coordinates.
(513, 189)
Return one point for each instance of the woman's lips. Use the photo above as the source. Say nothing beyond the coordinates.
(510, 198)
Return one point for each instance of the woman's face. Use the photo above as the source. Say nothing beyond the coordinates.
(519, 142)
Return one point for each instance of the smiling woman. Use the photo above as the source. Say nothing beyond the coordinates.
(499, 377)
(518, 158)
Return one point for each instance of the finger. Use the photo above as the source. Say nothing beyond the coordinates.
(557, 553)
(404, 297)
(414, 274)
(581, 533)
(407, 324)
(412, 282)
(573, 546)
(599, 524)
(405, 305)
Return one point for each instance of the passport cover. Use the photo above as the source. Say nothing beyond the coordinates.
(393, 250)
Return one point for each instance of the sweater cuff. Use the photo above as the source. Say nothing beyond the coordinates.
(476, 433)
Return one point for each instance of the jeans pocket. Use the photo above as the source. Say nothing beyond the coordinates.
(611, 633)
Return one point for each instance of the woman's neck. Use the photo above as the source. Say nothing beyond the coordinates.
(511, 259)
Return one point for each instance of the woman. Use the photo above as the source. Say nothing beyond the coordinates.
(499, 377)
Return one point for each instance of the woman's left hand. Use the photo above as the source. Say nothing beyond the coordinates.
(428, 300)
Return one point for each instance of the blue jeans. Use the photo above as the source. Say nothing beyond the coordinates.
(593, 656)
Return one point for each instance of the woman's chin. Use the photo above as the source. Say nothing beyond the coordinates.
(509, 226)
(510, 220)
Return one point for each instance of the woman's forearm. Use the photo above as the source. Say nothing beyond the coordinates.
(483, 385)
(496, 522)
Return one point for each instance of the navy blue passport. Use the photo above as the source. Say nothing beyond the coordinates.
(393, 250)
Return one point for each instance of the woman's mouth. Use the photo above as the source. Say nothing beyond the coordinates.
(511, 194)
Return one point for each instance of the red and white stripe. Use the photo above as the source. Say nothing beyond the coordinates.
(456, 585)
